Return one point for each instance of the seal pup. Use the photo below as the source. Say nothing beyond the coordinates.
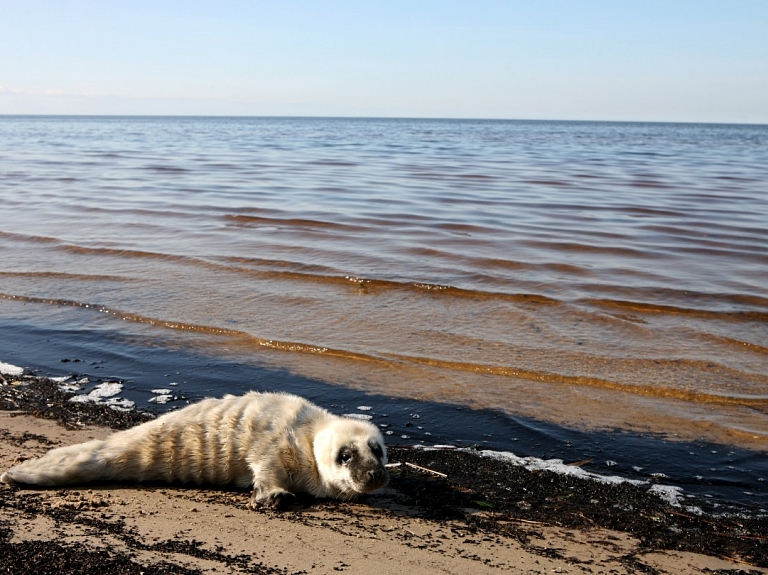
(278, 444)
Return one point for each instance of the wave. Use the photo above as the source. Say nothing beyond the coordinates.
(29, 238)
(699, 397)
(69, 276)
(656, 309)
(300, 223)
(127, 316)
(731, 307)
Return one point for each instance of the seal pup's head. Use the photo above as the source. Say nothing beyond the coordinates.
(350, 457)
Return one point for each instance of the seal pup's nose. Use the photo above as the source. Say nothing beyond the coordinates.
(378, 476)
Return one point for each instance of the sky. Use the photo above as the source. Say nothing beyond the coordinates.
(649, 60)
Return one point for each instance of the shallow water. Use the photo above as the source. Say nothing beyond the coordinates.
(714, 478)
(588, 275)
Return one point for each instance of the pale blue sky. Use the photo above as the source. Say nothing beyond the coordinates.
(535, 59)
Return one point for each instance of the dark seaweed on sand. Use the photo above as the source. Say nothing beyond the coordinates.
(42, 398)
(489, 495)
(49, 557)
(504, 498)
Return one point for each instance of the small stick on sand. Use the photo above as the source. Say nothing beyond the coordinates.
(529, 522)
(432, 471)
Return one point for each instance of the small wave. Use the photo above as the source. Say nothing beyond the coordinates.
(728, 307)
(646, 211)
(584, 381)
(339, 163)
(108, 155)
(485, 177)
(561, 246)
(28, 238)
(169, 169)
(127, 316)
(87, 250)
(651, 308)
(557, 183)
(463, 228)
(388, 358)
(740, 344)
(68, 276)
(244, 221)
(643, 183)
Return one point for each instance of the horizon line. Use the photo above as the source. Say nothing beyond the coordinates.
(411, 118)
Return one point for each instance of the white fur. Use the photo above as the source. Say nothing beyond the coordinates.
(279, 444)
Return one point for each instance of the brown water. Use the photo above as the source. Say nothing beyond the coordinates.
(594, 275)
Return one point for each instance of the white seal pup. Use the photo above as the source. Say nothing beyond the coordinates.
(276, 443)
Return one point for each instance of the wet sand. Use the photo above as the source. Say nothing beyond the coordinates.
(475, 515)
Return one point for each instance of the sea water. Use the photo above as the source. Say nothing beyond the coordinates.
(603, 279)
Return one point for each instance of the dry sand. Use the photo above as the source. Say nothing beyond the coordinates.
(123, 529)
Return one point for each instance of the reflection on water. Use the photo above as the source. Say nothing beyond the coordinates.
(592, 274)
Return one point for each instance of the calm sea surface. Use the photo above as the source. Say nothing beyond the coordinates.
(590, 275)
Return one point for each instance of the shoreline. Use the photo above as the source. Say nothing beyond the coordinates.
(485, 515)
(91, 355)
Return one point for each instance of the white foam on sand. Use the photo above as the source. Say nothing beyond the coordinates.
(69, 387)
(108, 389)
(66, 384)
(669, 493)
(99, 393)
(120, 404)
(556, 466)
(9, 369)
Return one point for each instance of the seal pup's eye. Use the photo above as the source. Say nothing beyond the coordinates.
(344, 457)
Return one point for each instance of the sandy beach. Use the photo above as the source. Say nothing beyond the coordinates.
(457, 520)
